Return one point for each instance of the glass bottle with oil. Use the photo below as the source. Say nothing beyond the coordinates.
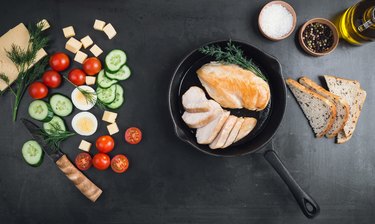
(357, 24)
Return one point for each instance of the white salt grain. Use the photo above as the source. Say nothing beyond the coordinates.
(276, 21)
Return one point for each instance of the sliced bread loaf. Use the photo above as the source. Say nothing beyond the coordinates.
(223, 135)
(194, 100)
(351, 91)
(197, 120)
(319, 111)
(206, 134)
(342, 106)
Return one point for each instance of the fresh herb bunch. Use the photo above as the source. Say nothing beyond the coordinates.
(23, 59)
(55, 135)
(232, 54)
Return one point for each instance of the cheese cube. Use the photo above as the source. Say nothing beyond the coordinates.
(80, 57)
(109, 116)
(110, 31)
(85, 146)
(86, 41)
(44, 23)
(69, 32)
(95, 50)
(73, 45)
(90, 80)
(112, 128)
(99, 25)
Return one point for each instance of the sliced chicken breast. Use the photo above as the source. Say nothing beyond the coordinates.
(206, 134)
(233, 134)
(247, 126)
(197, 120)
(194, 100)
(223, 135)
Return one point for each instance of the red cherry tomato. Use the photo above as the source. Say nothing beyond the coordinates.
(38, 90)
(119, 163)
(59, 62)
(77, 77)
(92, 66)
(105, 144)
(133, 135)
(101, 161)
(51, 79)
(83, 161)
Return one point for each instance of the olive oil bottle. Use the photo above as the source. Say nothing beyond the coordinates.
(357, 24)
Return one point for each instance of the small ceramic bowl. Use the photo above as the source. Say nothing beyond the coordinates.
(325, 22)
(289, 8)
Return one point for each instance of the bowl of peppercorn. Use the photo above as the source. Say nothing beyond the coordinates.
(318, 37)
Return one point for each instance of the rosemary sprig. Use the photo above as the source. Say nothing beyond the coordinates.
(23, 59)
(232, 54)
(55, 135)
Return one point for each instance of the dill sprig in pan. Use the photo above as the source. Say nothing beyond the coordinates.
(231, 54)
(23, 59)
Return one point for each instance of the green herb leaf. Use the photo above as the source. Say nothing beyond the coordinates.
(55, 135)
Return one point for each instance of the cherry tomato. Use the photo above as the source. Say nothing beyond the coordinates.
(133, 135)
(59, 61)
(101, 161)
(105, 144)
(77, 77)
(119, 163)
(38, 90)
(83, 161)
(51, 79)
(92, 66)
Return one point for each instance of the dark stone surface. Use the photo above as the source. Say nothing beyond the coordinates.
(168, 181)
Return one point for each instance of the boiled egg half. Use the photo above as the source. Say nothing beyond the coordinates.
(85, 123)
(84, 101)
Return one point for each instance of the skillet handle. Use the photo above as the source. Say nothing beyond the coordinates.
(307, 204)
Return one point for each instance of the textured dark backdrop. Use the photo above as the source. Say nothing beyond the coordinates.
(168, 181)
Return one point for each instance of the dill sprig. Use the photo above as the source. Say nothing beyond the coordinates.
(23, 59)
(55, 135)
(6, 80)
(232, 54)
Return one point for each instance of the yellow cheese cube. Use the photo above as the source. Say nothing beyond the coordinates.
(109, 116)
(110, 31)
(95, 50)
(73, 45)
(112, 128)
(99, 25)
(44, 23)
(69, 32)
(86, 41)
(80, 57)
(85, 146)
(90, 80)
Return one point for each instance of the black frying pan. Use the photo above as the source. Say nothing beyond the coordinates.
(269, 119)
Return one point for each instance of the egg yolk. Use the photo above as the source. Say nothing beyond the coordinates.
(85, 124)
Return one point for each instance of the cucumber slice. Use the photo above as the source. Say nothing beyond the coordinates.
(103, 81)
(122, 74)
(40, 110)
(32, 153)
(55, 124)
(107, 95)
(61, 105)
(115, 59)
(119, 99)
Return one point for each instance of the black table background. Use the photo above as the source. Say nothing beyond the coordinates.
(168, 181)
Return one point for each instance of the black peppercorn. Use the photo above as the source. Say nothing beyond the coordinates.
(318, 37)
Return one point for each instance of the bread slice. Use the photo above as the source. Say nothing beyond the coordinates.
(233, 134)
(223, 135)
(206, 134)
(341, 138)
(197, 120)
(319, 111)
(342, 106)
(247, 126)
(351, 91)
(194, 100)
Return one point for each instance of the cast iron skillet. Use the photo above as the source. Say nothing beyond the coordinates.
(268, 120)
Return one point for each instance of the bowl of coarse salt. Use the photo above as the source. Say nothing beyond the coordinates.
(277, 20)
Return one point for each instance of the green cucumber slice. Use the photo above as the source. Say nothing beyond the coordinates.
(32, 153)
(107, 95)
(115, 59)
(119, 99)
(122, 74)
(55, 123)
(61, 105)
(40, 110)
(103, 81)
